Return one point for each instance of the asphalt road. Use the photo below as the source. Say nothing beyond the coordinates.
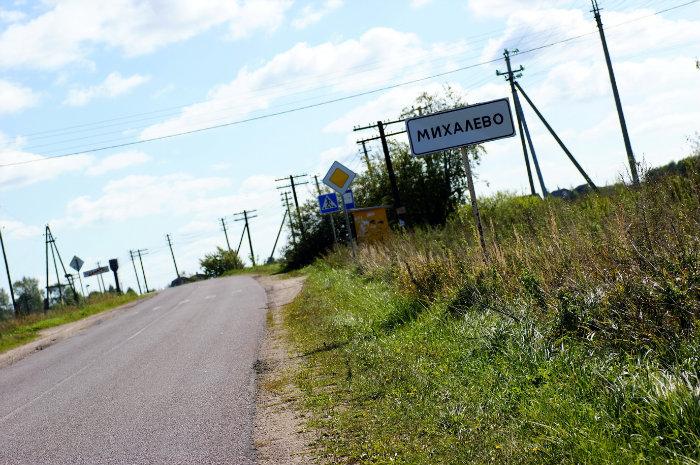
(168, 381)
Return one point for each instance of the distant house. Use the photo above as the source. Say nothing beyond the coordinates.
(565, 194)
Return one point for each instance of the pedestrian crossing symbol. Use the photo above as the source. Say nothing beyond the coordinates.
(328, 203)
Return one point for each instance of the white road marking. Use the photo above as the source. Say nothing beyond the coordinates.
(156, 307)
(183, 302)
(209, 297)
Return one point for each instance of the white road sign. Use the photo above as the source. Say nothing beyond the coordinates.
(339, 177)
(463, 126)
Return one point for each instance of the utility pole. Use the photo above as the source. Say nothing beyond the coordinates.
(557, 138)
(51, 241)
(9, 279)
(46, 236)
(272, 254)
(223, 225)
(240, 242)
(330, 216)
(616, 94)
(143, 272)
(522, 124)
(247, 228)
(366, 155)
(293, 185)
(398, 205)
(170, 244)
(136, 273)
(289, 215)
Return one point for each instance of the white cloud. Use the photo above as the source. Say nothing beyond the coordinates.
(11, 16)
(31, 173)
(114, 85)
(19, 229)
(68, 30)
(15, 97)
(420, 3)
(348, 66)
(501, 8)
(311, 14)
(175, 195)
(117, 161)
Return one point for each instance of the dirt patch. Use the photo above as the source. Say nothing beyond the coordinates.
(280, 435)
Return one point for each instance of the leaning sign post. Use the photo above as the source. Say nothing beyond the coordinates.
(460, 128)
(339, 178)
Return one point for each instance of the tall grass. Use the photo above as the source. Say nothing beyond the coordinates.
(576, 342)
(25, 328)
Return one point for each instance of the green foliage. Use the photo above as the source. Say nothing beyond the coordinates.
(577, 342)
(28, 296)
(431, 188)
(220, 262)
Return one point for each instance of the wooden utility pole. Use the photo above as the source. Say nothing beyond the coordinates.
(616, 95)
(9, 278)
(223, 225)
(170, 244)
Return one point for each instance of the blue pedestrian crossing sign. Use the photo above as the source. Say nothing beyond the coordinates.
(328, 203)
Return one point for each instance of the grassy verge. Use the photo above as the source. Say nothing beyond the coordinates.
(15, 332)
(576, 342)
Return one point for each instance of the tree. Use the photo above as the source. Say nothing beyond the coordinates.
(5, 304)
(28, 295)
(431, 187)
(221, 261)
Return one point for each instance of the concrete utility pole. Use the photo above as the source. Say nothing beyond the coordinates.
(247, 229)
(9, 278)
(136, 273)
(616, 95)
(279, 232)
(285, 194)
(293, 184)
(143, 272)
(522, 125)
(330, 217)
(170, 244)
(223, 225)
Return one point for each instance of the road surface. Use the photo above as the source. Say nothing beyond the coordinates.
(168, 381)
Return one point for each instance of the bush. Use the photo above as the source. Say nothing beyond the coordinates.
(218, 263)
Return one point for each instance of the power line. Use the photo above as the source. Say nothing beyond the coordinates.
(335, 100)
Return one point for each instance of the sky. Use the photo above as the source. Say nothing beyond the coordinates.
(283, 83)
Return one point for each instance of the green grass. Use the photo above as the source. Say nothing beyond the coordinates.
(15, 332)
(576, 343)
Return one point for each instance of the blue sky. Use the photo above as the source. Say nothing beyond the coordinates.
(77, 75)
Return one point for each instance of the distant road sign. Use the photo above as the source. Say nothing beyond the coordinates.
(100, 270)
(464, 126)
(349, 199)
(339, 177)
(328, 203)
(76, 263)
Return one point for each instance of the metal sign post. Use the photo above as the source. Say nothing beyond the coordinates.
(339, 178)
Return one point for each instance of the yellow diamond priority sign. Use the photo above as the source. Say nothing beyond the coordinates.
(339, 178)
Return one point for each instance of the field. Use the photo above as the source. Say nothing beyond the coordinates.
(575, 341)
(17, 331)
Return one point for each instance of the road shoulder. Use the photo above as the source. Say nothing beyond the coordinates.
(280, 434)
(52, 335)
